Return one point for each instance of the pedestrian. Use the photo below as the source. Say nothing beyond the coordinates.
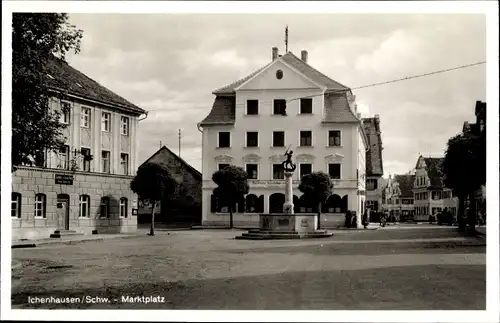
(365, 220)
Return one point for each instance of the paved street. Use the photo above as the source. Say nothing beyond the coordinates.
(405, 269)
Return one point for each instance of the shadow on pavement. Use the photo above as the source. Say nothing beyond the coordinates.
(443, 287)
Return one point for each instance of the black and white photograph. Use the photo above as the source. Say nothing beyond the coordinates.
(252, 157)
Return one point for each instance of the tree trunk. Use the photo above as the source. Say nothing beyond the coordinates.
(152, 230)
(230, 217)
(319, 215)
(460, 214)
(471, 215)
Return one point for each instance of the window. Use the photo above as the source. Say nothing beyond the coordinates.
(15, 209)
(105, 162)
(86, 158)
(279, 107)
(334, 171)
(222, 166)
(224, 140)
(40, 200)
(65, 113)
(305, 169)
(85, 118)
(334, 138)
(124, 126)
(124, 163)
(64, 157)
(278, 171)
(306, 105)
(371, 184)
(252, 139)
(104, 207)
(436, 195)
(106, 122)
(306, 138)
(84, 206)
(123, 207)
(252, 107)
(278, 139)
(252, 171)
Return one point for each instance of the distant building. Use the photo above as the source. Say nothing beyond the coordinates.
(85, 186)
(185, 205)
(399, 197)
(254, 120)
(374, 164)
(430, 195)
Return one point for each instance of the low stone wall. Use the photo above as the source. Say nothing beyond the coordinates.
(29, 181)
(328, 220)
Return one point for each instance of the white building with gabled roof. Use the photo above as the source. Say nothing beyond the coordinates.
(286, 103)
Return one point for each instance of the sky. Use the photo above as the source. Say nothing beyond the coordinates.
(169, 64)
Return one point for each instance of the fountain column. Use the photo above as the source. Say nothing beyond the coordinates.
(288, 205)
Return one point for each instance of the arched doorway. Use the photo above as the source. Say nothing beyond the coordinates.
(344, 204)
(276, 202)
(251, 203)
(333, 204)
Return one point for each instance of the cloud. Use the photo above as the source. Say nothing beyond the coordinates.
(170, 63)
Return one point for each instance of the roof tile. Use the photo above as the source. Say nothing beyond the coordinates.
(405, 183)
(60, 75)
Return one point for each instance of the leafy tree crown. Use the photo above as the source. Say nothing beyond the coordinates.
(316, 187)
(152, 182)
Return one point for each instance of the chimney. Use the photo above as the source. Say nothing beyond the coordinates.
(303, 55)
(377, 116)
(275, 53)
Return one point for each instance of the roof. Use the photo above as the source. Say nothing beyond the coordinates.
(183, 162)
(223, 111)
(433, 167)
(374, 163)
(68, 79)
(298, 64)
(337, 109)
(405, 183)
(336, 104)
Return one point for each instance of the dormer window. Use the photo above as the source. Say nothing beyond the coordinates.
(279, 107)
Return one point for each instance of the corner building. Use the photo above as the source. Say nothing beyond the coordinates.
(85, 186)
(255, 119)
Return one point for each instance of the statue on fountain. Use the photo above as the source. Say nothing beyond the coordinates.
(288, 165)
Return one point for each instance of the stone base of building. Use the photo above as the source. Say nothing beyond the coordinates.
(46, 232)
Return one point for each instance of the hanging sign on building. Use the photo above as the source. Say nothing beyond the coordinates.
(64, 179)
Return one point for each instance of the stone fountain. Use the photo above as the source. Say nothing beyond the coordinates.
(287, 225)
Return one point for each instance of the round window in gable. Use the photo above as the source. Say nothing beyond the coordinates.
(279, 74)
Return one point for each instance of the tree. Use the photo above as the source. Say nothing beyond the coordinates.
(464, 168)
(152, 182)
(316, 187)
(232, 185)
(36, 39)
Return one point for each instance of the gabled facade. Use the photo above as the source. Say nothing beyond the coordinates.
(399, 197)
(86, 185)
(429, 194)
(374, 164)
(185, 205)
(286, 103)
